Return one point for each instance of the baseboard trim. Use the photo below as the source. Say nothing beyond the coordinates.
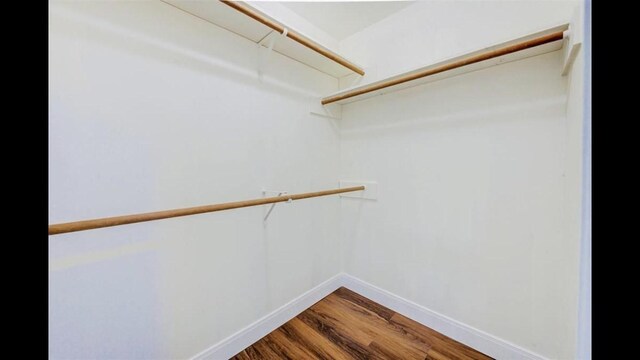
(468, 335)
(254, 332)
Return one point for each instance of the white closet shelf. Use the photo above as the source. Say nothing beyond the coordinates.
(538, 43)
(249, 22)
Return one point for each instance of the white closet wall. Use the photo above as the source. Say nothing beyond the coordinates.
(576, 188)
(430, 31)
(478, 202)
(151, 109)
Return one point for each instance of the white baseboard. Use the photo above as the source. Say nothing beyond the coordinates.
(470, 336)
(477, 339)
(254, 332)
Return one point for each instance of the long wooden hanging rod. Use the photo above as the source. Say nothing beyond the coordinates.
(136, 218)
(541, 40)
(293, 35)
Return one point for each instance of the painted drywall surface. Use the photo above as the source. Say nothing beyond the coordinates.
(585, 306)
(430, 31)
(151, 109)
(574, 131)
(578, 181)
(472, 201)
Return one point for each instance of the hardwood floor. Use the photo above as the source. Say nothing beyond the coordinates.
(346, 325)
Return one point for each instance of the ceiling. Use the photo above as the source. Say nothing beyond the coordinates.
(342, 19)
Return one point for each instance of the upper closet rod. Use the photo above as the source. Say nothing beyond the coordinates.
(541, 40)
(130, 219)
(292, 35)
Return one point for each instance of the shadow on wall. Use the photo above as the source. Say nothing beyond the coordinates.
(453, 103)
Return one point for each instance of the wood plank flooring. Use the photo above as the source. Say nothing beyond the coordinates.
(346, 325)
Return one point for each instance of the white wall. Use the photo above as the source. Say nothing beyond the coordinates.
(151, 109)
(471, 216)
(574, 174)
(433, 30)
(289, 17)
(579, 175)
(479, 175)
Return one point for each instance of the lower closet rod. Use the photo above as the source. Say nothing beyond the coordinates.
(136, 218)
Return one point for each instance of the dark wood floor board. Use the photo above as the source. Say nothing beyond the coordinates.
(385, 333)
(390, 349)
(318, 345)
(434, 355)
(290, 347)
(362, 301)
(440, 343)
(259, 350)
(346, 325)
(354, 346)
(275, 347)
(352, 321)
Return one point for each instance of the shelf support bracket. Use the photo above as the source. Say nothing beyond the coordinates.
(280, 193)
(268, 41)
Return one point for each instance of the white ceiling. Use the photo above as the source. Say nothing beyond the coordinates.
(341, 19)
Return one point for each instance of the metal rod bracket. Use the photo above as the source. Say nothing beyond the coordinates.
(268, 41)
(273, 205)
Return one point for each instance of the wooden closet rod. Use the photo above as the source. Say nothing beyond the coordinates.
(136, 218)
(292, 35)
(448, 66)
